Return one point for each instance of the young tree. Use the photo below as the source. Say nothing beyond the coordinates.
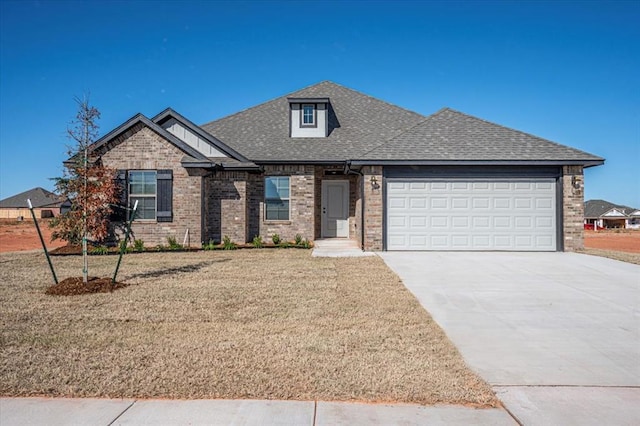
(90, 187)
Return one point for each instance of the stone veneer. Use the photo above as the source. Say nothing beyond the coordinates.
(140, 148)
(573, 207)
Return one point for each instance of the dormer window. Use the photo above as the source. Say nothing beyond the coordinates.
(308, 115)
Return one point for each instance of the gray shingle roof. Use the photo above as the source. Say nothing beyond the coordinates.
(452, 135)
(596, 208)
(368, 129)
(39, 198)
(357, 123)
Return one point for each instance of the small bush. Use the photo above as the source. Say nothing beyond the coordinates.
(122, 247)
(276, 239)
(306, 243)
(138, 245)
(298, 239)
(211, 245)
(257, 242)
(99, 250)
(227, 244)
(173, 243)
(284, 244)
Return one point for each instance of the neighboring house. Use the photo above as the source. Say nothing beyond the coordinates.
(601, 214)
(46, 204)
(329, 162)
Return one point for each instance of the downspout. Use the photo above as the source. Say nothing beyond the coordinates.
(348, 170)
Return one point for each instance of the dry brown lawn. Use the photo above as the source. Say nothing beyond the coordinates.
(266, 324)
(613, 254)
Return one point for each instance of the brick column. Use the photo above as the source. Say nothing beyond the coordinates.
(573, 207)
(373, 209)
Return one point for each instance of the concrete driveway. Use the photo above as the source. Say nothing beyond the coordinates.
(556, 334)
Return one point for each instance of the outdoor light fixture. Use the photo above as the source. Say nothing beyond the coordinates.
(374, 183)
(574, 182)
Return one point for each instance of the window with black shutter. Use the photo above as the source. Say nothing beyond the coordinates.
(152, 189)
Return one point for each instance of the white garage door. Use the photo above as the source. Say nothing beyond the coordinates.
(471, 215)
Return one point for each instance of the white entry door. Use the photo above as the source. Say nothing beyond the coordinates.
(335, 208)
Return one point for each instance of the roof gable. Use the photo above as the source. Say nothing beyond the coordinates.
(39, 198)
(218, 146)
(452, 136)
(103, 142)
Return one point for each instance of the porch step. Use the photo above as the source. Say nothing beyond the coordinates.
(338, 247)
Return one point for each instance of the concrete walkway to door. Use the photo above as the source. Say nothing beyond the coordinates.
(556, 334)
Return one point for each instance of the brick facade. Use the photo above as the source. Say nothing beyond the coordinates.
(573, 207)
(373, 207)
(228, 203)
(141, 148)
(302, 203)
(225, 206)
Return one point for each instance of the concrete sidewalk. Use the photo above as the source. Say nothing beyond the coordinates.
(86, 411)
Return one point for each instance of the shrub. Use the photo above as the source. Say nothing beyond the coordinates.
(306, 243)
(284, 244)
(276, 239)
(227, 244)
(173, 243)
(99, 250)
(138, 245)
(298, 239)
(211, 245)
(257, 241)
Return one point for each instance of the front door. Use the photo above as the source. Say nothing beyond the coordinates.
(335, 208)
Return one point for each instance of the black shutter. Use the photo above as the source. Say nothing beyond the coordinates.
(120, 210)
(165, 196)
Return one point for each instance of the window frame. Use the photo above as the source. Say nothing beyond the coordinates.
(131, 195)
(314, 115)
(267, 199)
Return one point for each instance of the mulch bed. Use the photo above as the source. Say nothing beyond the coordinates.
(74, 285)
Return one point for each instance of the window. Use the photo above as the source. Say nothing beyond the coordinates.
(276, 198)
(153, 189)
(142, 188)
(308, 115)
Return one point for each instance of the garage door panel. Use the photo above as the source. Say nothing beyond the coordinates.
(471, 215)
(439, 203)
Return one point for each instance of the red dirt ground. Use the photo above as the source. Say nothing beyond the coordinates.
(21, 236)
(627, 241)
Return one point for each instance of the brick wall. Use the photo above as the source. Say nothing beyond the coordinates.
(141, 148)
(225, 206)
(573, 207)
(302, 204)
(373, 209)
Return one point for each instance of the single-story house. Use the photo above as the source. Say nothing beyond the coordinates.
(330, 162)
(45, 204)
(601, 214)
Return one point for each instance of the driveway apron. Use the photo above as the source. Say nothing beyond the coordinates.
(529, 320)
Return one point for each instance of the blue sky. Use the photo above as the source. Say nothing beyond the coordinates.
(565, 71)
